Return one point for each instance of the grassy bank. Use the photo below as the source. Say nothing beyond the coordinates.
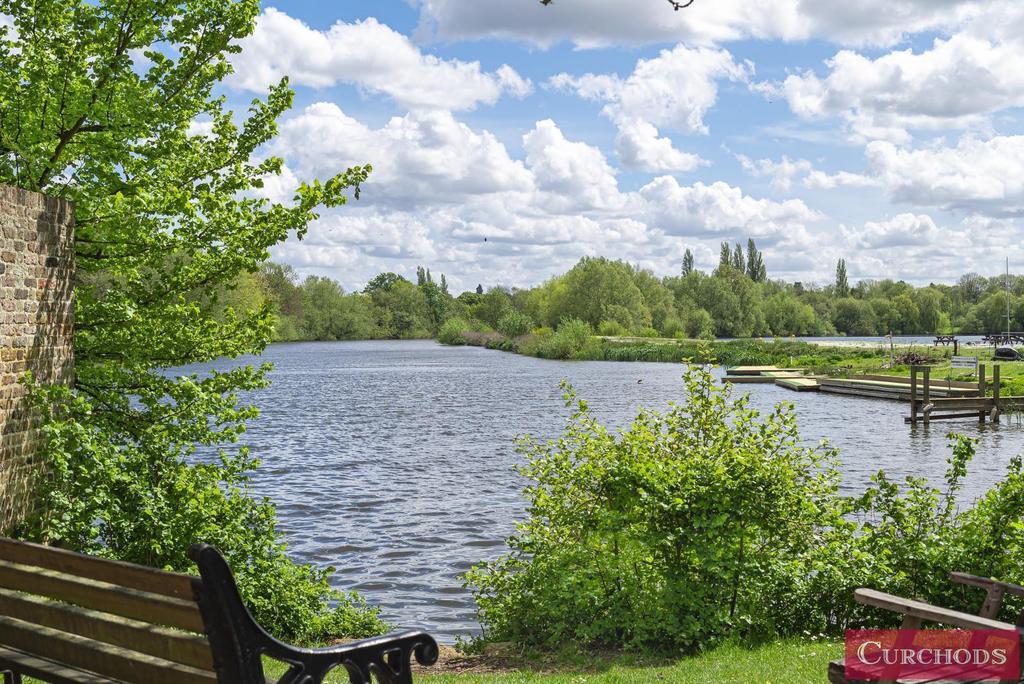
(784, 662)
(582, 346)
(834, 360)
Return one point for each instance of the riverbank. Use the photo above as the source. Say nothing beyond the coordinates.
(817, 356)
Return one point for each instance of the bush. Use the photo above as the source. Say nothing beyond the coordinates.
(611, 329)
(711, 522)
(700, 325)
(647, 332)
(673, 327)
(669, 535)
(572, 336)
(514, 323)
(452, 330)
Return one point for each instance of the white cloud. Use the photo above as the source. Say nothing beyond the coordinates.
(644, 22)
(573, 175)
(639, 147)
(671, 91)
(422, 157)
(450, 196)
(958, 83)
(721, 209)
(903, 230)
(819, 180)
(781, 172)
(371, 55)
(980, 176)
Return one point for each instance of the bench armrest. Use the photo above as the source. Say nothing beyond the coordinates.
(985, 583)
(238, 642)
(925, 611)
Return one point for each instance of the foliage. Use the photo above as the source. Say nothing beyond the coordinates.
(671, 535)
(514, 323)
(451, 331)
(709, 521)
(96, 104)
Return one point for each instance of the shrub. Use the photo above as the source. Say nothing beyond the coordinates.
(700, 325)
(451, 331)
(514, 323)
(647, 332)
(611, 329)
(673, 327)
(709, 521)
(669, 535)
(567, 342)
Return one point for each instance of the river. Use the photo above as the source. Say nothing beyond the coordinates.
(393, 461)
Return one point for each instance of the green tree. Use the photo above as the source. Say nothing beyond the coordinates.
(738, 261)
(598, 289)
(96, 103)
(854, 317)
(687, 262)
(756, 269)
(724, 256)
(842, 288)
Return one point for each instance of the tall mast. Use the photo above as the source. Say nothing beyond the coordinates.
(1007, 296)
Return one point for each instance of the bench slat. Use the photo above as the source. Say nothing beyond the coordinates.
(143, 637)
(102, 596)
(926, 611)
(46, 669)
(96, 656)
(115, 572)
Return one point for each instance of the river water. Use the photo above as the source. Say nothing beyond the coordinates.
(393, 461)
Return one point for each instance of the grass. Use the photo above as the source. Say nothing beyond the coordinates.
(783, 662)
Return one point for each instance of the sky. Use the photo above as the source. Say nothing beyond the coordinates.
(509, 139)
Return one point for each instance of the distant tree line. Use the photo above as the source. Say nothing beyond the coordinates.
(736, 299)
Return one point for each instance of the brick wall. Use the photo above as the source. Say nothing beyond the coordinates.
(36, 320)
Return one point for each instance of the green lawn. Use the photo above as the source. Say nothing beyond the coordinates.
(787, 662)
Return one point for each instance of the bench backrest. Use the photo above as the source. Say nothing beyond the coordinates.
(116, 619)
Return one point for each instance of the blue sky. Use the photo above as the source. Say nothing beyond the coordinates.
(510, 139)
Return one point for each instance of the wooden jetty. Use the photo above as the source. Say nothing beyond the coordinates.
(894, 388)
(925, 407)
(754, 375)
(806, 383)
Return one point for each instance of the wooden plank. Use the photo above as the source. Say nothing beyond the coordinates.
(116, 572)
(799, 384)
(162, 642)
(749, 379)
(951, 403)
(945, 416)
(102, 596)
(985, 583)
(47, 670)
(925, 611)
(936, 383)
(97, 657)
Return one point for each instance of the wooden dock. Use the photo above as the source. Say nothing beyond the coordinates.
(893, 388)
(929, 399)
(926, 407)
(807, 383)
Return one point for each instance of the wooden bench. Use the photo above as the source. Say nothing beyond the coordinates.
(65, 617)
(916, 612)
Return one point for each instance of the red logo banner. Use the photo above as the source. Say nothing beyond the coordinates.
(926, 655)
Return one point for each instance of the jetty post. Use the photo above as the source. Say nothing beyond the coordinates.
(926, 395)
(981, 390)
(913, 395)
(996, 408)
